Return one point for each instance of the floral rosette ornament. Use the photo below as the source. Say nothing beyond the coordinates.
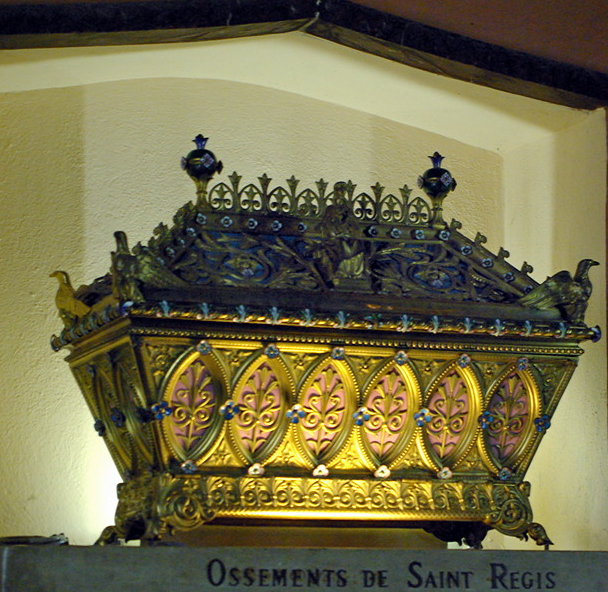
(361, 416)
(382, 472)
(445, 473)
(464, 360)
(272, 351)
(296, 413)
(401, 357)
(256, 470)
(485, 420)
(203, 347)
(320, 471)
(189, 467)
(542, 423)
(423, 417)
(161, 410)
(229, 409)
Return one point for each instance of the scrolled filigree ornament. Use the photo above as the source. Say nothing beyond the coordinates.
(136, 515)
(183, 503)
(511, 512)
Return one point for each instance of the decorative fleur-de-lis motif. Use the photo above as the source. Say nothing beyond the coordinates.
(435, 324)
(259, 403)
(325, 405)
(499, 327)
(193, 401)
(306, 317)
(510, 409)
(204, 308)
(274, 314)
(450, 408)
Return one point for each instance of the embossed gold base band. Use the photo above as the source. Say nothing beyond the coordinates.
(166, 502)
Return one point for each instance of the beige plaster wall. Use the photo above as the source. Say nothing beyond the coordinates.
(90, 143)
(555, 216)
(45, 438)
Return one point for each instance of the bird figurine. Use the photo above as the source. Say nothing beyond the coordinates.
(70, 308)
(562, 291)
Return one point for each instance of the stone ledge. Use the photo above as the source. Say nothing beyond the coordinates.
(104, 569)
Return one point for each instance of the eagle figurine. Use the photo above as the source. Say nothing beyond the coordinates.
(562, 291)
(70, 308)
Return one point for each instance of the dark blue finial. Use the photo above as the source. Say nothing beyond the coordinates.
(436, 160)
(201, 165)
(437, 182)
(200, 142)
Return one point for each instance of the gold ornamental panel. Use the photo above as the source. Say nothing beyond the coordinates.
(513, 411)
(194, 391)
(386, 418)
(326, 403)
(131, 399)
(449, 419)
(257, 409)
(187, 503)
(114, 413)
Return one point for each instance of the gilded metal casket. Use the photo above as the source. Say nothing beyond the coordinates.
(321, 356)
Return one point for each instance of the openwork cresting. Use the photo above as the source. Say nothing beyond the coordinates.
(288, 353)
(312, 204)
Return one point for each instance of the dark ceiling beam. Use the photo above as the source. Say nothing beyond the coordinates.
(147, 21)
(463, 58)
(341, 21)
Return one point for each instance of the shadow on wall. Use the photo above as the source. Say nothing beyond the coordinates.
(49, 450)
(331, 72)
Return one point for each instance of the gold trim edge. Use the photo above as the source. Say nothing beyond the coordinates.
(187, 502)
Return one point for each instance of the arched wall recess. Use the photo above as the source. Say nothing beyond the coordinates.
(513, 181)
